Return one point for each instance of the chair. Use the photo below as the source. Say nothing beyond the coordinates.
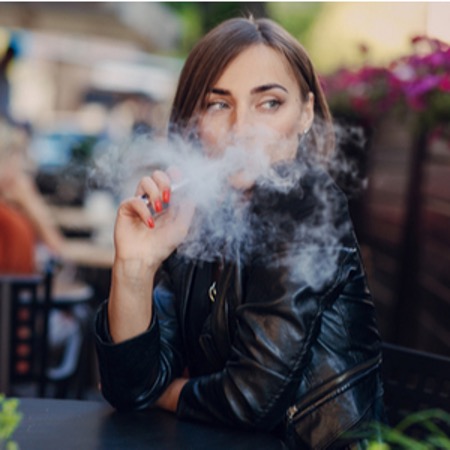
(414, 381)
(21, 354)
(33, 301)
(72, 367)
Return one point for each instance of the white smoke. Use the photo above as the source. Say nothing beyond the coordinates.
(225, 222)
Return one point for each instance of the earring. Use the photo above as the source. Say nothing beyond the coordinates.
(306, 132)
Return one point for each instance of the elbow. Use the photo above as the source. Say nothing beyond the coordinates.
(126, 399)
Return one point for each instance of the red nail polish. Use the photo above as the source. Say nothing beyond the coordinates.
(151, 222)
(158, 206)
(166, 196)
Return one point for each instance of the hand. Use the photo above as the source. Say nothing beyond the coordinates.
(169, 398)
(140, 236)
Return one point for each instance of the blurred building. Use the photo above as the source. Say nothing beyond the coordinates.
(71, 54)
(86, 73)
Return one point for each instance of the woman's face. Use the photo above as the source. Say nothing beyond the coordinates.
(256, 104)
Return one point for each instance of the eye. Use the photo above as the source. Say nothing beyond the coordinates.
(216, 106)
(271, 105)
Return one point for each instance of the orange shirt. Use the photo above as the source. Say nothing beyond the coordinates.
(17, 242)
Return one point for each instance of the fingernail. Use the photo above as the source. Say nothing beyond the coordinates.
(166, 196)
(151, 222)
(158, 206)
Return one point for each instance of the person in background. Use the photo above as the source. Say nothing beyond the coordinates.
(240, 341)
(26, 226)
(24, 216)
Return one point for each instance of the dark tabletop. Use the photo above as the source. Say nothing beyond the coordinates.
(88, 425)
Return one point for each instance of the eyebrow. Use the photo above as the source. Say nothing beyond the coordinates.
(255, 90)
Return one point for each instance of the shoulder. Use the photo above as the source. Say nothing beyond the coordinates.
(307, 232)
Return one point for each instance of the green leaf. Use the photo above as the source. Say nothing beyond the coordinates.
(11, 445)
(10, 418)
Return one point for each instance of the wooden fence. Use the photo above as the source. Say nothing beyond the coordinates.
(405, 234)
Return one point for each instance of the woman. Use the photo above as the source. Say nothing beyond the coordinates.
(274, 348)
(24, 218)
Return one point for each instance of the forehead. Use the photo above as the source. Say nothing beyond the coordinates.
(258, 64)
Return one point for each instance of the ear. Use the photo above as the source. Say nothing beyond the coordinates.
(307, 116)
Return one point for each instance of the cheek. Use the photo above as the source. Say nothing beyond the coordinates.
(291, 125)
(285, 146)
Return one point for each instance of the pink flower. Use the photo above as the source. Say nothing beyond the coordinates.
(444, 84)
(411, 81)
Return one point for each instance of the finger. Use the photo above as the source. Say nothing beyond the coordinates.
(163, 182)
(135, 206)
(149, 191)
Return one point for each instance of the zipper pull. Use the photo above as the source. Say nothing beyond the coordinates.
(291, 412)
(212, 292)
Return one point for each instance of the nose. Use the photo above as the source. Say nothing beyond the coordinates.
(240, 122)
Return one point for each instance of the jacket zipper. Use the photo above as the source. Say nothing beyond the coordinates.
(333, 386)
(184, 304)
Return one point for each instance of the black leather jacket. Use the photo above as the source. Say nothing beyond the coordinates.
(273, 351)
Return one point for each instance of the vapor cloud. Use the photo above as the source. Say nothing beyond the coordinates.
(226, 222)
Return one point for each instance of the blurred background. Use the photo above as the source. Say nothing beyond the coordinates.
(79, 78)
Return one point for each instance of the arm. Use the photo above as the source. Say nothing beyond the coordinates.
(169, 398)
(21, 191)
(137, 338)
(135, 372)
(141, 245)
(131, 280)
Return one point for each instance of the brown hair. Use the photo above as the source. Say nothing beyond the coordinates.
(211, 55)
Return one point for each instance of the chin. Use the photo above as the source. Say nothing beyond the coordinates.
(241, 182)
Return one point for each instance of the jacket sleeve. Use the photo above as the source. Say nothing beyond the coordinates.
(134, 373)
(275, 328)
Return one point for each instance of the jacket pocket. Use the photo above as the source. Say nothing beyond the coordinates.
(321, 420)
